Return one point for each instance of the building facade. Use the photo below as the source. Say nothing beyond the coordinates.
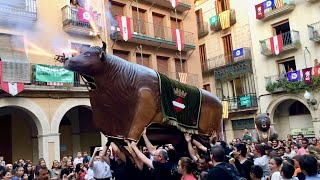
(48, 120)
(226, 60)
(282, 73)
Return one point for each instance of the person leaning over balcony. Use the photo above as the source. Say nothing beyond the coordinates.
(74, 4)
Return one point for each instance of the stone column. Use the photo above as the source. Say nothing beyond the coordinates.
(316, 126)
(228, 130)
(49, 147)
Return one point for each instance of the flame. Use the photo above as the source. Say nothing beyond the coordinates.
(94, 27)
(69, 51)
(37, 50)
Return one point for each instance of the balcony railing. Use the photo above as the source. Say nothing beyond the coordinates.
(287, 7)
(243, 103)
(290, 41)
(22, 12)
(225, 59)
(203, 29)
(191, 79)
(72, 24)
(183, 5)
(314, 31)
(312, 1)
(217, 26)
(154, 35)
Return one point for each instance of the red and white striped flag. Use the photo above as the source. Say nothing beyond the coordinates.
(276, 44)
(174, 3)
(125, 27)
(12, 88)
(179, 38)
(183, 77)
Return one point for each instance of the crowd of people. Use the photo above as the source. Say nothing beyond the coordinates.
(292, 159)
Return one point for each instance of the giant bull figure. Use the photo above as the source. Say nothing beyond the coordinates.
(125, 97)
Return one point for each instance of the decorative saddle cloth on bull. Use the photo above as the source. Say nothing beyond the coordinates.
(180, 103)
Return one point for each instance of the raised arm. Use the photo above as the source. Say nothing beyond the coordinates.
(118, 152)
(141, 156)
(105, 156)
(193, 155)
(93, 157)
(151, 148)
(134, 156)
(199, 145)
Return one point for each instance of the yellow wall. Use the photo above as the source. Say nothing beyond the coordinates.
(21, 137)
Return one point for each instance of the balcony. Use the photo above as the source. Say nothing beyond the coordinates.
(184, 5)
(150, 34)
(311, 1)
(18, 12)
(71, 23)
(290, 41)
(243, 103)
(226, 59)
(314, 31)
(276, 12)
(203, 29)
(191, 79)
(217, 26)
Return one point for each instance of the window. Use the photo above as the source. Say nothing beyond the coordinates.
(283, 28)
(203, 57)
(139, 27)
(158, 28)
(175, 24)
(116, 8)
(162, 64)
(199, 16)
(222, 5)
(207, 87)
(228, 49)
(178, 65)
(144, 60)
(236, 87)
(286, 65)
(122, 54)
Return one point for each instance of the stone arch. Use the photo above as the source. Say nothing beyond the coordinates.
(31, 108)
(63, 109)
(279, 99)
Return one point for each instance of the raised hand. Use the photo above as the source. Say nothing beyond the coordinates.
(187, 137)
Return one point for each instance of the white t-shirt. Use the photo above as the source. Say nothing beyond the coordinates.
(263, 161)
(101, 170)
(293, 178)
(89, 174)
(276, 176)
(77, 161)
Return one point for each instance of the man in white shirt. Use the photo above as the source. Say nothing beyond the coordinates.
(100, 164)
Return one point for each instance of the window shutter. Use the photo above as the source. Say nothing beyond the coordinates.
(122, 54)
(162, 64)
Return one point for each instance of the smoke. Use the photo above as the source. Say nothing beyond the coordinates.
(112, 21)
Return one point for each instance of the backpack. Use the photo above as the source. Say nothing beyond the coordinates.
(229, 169)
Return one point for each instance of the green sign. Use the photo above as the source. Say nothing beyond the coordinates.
(213, 20)
(304, 131)
(45, 73)
(245, 101)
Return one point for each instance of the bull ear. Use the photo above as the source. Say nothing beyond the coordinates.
(102, 56)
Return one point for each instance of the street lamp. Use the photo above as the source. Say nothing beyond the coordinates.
(310, 101)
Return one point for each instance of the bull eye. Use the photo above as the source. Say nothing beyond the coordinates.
(87, 54)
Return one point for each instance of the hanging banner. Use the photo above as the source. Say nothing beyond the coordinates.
(259, 11)
(225, 109)
(213, 19)
(178, 34)
(174, 3)
(307, 72)
(45, 73)
(125, 27)
(12, 88)
(294, 76)
(245, 101)
(238, 52)
(268, 4)
(316, 70)
(85, 16)
(276, 44)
